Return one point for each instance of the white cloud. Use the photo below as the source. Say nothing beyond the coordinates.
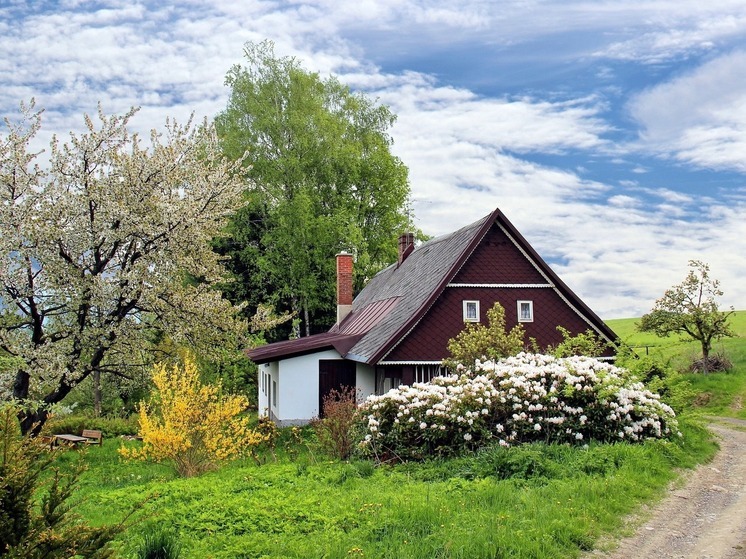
(700, 117)
(618, 245)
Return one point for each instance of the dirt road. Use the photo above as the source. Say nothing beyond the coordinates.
(704, 517)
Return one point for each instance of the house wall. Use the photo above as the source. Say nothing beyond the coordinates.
(497, 262)
(268, 372)
(298, 389)
(365, 379)
(429, 340)
(297, 381)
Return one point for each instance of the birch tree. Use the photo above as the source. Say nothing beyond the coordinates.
(325, 180)
(106, 245)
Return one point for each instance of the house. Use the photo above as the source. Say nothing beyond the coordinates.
(396, 330)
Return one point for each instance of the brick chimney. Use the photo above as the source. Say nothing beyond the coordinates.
(406, 246)
(344, 285)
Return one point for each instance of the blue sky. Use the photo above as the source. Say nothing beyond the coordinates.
(611, 133)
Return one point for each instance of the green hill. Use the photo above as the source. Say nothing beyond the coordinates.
(718, 393)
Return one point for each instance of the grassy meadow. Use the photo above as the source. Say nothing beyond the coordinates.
(717, 393)
(536, 501)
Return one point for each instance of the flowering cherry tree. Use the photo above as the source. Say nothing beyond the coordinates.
(524, 398)
(105, 245)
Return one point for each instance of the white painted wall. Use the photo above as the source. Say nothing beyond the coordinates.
(365, 380)
(267, 373)
(299, 387)
(297, 381)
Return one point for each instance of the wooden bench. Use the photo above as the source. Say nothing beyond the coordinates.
(93, 436)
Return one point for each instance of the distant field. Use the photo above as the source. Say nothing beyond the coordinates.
(626, 329)
(718, 393)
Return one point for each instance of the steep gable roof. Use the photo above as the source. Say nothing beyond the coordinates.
(397, 298)
(416, 282)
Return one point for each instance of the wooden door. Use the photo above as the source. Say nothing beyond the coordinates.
(334, 374)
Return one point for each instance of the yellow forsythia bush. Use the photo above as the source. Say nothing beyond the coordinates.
(192, 424)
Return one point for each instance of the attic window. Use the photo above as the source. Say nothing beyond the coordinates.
(471, 311)
(525, 311)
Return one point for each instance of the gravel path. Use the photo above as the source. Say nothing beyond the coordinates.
(703, 517)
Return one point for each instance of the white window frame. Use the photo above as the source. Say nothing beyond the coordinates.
(521, 318)
(466, 313)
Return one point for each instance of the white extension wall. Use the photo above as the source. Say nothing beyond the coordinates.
(365, 380)
(296, 383)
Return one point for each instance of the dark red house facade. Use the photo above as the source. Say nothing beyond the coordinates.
(396, 330)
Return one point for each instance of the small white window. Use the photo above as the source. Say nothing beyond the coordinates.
(274, 393)
(525, 311)
(471, 311)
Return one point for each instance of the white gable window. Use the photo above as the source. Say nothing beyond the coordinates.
(471, 311)
(525, 311)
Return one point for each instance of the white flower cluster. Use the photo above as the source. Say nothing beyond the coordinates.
(523, 398)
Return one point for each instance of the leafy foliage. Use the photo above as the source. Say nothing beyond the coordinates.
(108, 249)
(334, 432)
(485, 342)
(691, 309)
(159, 543)
(585, 343)
(660, 377)
(518, 399)
(51, 530)
(325, 179)
(191, 424)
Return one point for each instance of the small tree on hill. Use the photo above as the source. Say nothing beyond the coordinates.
(491, 341)
(691, 309)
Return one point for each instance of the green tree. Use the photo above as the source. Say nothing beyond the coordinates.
(480, 341)
(325, 180)
(109, 249)
(691, 309)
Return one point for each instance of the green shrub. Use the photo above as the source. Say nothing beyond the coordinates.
(520, 399)
(50, 530)
(158, 543)
(662, 378)
(335, 431)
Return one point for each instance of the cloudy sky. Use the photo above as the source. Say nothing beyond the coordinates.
(612, 133)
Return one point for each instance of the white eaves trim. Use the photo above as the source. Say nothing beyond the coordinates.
(503, 285)
(410, 362)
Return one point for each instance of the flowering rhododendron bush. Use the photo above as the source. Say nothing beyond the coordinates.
(525, 398)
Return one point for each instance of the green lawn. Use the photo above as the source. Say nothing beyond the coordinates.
(534, 502)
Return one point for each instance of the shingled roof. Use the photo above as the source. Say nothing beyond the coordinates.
(396, 299)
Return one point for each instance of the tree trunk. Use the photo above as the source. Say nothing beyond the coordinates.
(705, 358)
(306, 320)
(32, 421)
(97, 393)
